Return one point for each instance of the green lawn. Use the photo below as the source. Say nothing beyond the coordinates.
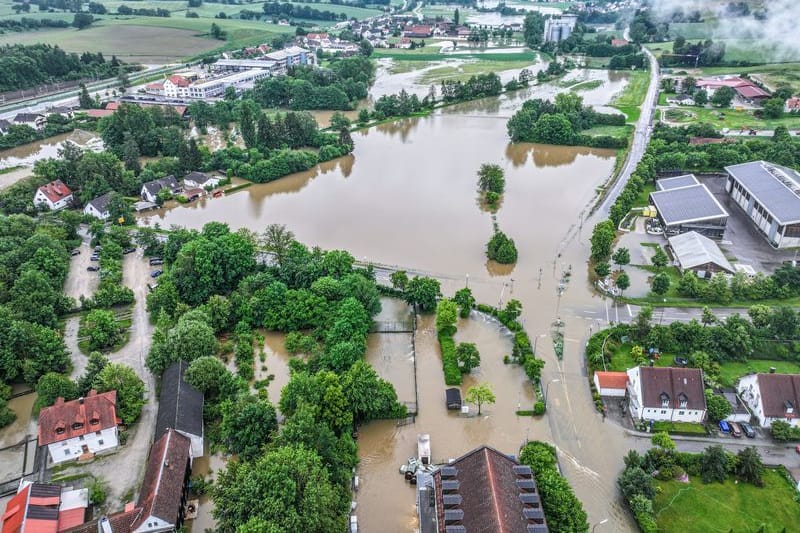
(587, 85)
(621, 359)
(680, 427)
(733, 119)
(736, 50)
(731, 371)
(681, 507)
(614, 131)
(632, 97)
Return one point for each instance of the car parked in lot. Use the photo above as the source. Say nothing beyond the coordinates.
(736, 431)
(724, 426)
(156, 273)
(75, 252)
(152, 287)
(94, 257)
(93, 268)
(749, 432)
(127, 251)
(156, 261)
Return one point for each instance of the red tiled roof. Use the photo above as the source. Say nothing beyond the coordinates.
(745, 88)
(156, 85)
(612, 380)
(98, 113)
(119, 522)
(179, 80)
(793, 103)
(317, 36)
(709, 140)
(15, 512)
(677, 383)
(112, 106)
(67, 420)
(162, 488)
(619, 42)
(776, 390)
(55, 191)
(752, 91)
(71, 518)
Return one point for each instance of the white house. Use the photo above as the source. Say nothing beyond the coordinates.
(681, 99)
(772, 397)
(54, 195)
(98, 208)
(199, 180)
(36, 121)
(668, 394)
(612, 384)
(79, 429)
(150, 189)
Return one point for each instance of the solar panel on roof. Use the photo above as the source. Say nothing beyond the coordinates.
(453, 515)
(522, 470)
(526, 484)
(451, 499)
(687, 204)
(41, 512)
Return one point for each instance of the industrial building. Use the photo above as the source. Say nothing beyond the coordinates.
(684, 204)
(770, 195)
(699, 254)
(559, 28)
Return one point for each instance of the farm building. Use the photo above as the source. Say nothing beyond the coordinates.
(699, 254)
(684, 204)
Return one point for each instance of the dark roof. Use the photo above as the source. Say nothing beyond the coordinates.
(180, 406)
(776, 390)
(737, 406)
(101, 202)
(164, 479)
(27, 117)
(453, 398)
(118, 522)
(678, 181)
(687, 204)
(775, 187)
(168, 182)
(673, 384)
(197, 177)
(490, 484)
(4, 124)
(58, 422)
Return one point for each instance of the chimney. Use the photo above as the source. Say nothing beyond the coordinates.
(80, 400)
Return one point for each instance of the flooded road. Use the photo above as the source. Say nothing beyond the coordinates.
(407, 196)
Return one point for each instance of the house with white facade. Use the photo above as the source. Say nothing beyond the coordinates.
(611, 384)
(666, 394)
(98, 208)
(54, 195)
(200, 180)
(80, 429)
(772, 397)
(36, 121)
(149, 192)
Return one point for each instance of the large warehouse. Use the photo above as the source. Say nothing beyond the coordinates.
(684, 204)
(770, 196)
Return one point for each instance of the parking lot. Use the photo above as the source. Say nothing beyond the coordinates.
(80, 282)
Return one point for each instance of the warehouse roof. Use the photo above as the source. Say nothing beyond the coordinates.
(692, 250)
(692, 203)
(675, 183)
(775, 187)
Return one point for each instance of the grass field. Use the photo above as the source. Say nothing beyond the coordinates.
(632, 97)
(728, 506)
(734, 119)
(587, 85)
(621, 359)
(749, 50)
(464, 71)
(431, 54)
(613, 131)
(731, 371)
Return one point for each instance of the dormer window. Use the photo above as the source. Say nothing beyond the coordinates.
(789, 407)
(664, 399)
(684, 401)
(77, 425)
(60, 430)
(94, 421)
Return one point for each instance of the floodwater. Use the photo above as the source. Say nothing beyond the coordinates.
(407, 196)
(23, 426)
(27, 154)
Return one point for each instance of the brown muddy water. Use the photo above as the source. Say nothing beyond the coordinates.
(27, 154)
(407, 196)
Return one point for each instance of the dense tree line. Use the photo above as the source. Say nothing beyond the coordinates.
(19, 134)
(301, 12)
(339, 87)
(561, 122)
(214, 285)
(26, 24)
(478, 86)
(23, 66)
(153, 130)
(703, 53)
(142, 12)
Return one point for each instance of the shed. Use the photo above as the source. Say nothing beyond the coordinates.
(699, 254)
(453, 397)
(613, 384)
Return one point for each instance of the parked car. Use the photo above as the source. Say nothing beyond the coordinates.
(724, 427)
(94, 257)
(152, 287)
(156, 261)
(128, 250)
(93, 268)
(749, 432)
(736, 431)
(681, 361)
(156, 273)
(75, 252)
(98, 248)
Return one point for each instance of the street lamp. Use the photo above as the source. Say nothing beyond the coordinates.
(547, 389)
(600, 523)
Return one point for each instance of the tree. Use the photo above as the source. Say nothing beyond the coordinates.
(446, 316)
(52, 386)
(700, 97)
(623, 282)
(708, 316)
(662, 440)
(621, 257)
(130, 156)
(276, 239)
(749, 466)
(217, 32)
(96, 363)
(339, 121)
(249, 112)
(293, 490)
(723, 97)
(660, 283)
(468, 357)
(465, 301)
(479, 395)
(717, 407)
(602, 269)
(399, 279)
(491, 178)
(84, 99)
(456, 17)
(206, 374)
(369, 396)
(635, 481)
(363, 116)
(129, 387)
(248, 423)
(714, 464)
(660, 258)
(422, 292)
(82, 20)
(773, 108)
(501, 248)
(603, 236)
(101, 328)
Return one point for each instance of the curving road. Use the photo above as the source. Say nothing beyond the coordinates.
(641, 135)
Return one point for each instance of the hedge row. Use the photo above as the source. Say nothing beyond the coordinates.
(452, 374)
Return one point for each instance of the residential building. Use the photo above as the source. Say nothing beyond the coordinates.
(739, 411)
(684, 204)
(745, 89)
(149, 192)
(618, 43)
(54, 195)
(36, 121)
(418, 31)
(699, 254)
(180, 407)
(772, 397)
(44, 508)
(5, 126)
(162, 496)
(199, 180)
(611, 384)
(79, 429)
(666, 394)
(98, 208)
(114, 523)
(792, 105)
(559, 28)
(404, 43)
(484, 491)
(175, 86)
(241, 65)
(681, 99)
(770, 195)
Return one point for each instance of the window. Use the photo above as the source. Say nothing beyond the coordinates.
(100, 442)
(66, 452)
(81, 437)
(77, 425)
(681, 412)
(684, 403)
(663, 412)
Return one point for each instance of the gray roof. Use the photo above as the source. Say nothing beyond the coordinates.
(775, 187)
(197, 177)
(27, 117)
(180, 406)
(167, 182)
(687, 204)
(692, 249)
(678, 181)
(101, 202)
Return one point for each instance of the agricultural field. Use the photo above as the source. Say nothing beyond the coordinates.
(630, 100)
(727, 506)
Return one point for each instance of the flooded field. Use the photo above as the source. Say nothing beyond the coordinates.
(27, 154)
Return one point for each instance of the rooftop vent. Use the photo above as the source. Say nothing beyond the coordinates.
(451, 500)
(452, 516)
(529, 499)
(448, 472)
(450, 485)
(526, 485)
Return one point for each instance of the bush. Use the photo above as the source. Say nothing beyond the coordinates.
(97, 492)
(501, 249)
(538, 408)
(452, 374)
